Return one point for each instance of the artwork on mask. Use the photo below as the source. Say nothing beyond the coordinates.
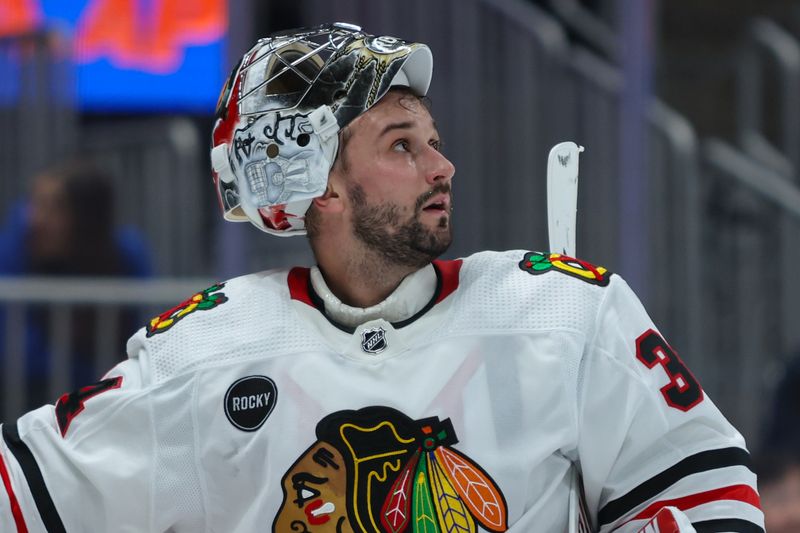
(302, 126)
(281, 158)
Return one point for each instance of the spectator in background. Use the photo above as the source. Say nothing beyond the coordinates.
(779, 463)
(66, 228)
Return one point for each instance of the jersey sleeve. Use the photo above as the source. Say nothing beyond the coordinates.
(668, 520)
(87, 463)
(649, 435)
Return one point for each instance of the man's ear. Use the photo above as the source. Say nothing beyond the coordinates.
(330, 200)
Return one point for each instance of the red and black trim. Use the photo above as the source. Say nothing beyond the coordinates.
(699, 462)
(299, 281)
(741, 492)
(33, 475)
(302, 290)
(16, 510)
(447, 275)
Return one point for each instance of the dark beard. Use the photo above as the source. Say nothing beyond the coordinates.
(408, 244)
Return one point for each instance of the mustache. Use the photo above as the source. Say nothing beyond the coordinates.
(442, 188)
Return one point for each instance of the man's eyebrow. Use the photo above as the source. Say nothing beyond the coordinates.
(396, 126)
(402, 126)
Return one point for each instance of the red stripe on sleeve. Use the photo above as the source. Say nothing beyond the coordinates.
(742, 493)
(16, 511)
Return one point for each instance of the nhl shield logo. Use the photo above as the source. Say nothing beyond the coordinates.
(373, 340)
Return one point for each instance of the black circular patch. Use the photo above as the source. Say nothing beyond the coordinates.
(249, 401)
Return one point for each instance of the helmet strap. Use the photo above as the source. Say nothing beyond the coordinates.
(221, 164)
(327, 128)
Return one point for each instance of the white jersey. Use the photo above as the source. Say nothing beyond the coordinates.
(248, 409)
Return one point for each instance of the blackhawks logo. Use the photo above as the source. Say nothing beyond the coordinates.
(202, 301)
(540, 262)
(376, 470)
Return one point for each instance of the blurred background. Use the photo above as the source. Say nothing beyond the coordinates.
(689, 112)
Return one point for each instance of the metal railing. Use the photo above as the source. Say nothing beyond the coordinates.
(47, 308)
(597, 31)
(37, 107)
(751, 224)
(769, 54)
(768, 131)
(161, 185)
(676, 221)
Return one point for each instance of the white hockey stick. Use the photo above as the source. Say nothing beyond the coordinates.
(562, 205)
(562, 196)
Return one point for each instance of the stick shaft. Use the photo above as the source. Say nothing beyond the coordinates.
(562, 197)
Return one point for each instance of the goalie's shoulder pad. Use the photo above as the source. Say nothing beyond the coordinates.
(498, 288)
(225, 321)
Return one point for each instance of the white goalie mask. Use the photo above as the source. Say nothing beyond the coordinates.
(275, 134)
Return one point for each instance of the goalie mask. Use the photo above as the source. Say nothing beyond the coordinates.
(275, 134)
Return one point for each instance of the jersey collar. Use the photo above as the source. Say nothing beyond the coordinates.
(415, 295)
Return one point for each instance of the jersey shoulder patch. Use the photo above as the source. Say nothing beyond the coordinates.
(541, 262)
(202, 301)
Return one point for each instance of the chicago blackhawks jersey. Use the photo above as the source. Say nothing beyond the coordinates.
(249, 408)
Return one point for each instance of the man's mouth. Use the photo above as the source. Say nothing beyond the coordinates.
(437, 201)
(438, 205)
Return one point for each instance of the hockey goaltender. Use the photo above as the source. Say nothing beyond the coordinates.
(382, 389)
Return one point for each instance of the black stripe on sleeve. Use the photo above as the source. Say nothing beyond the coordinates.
(41, 496)
(727, 525)
(699, 462)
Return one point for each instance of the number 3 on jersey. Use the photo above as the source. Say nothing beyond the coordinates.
(683, 391)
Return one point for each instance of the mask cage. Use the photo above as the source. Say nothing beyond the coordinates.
(279, 71)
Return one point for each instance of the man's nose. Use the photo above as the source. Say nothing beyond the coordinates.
(440, 169)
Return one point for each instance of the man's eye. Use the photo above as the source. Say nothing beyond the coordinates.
(400, 146)
(436, 145)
